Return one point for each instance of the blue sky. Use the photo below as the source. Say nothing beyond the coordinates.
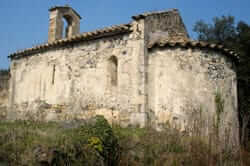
(24, 23)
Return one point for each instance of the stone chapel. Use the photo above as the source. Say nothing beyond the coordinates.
(144, 72)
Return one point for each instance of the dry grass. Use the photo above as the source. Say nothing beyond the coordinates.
(142, 147)
(26, 143)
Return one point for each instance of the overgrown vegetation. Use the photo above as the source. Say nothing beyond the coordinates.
(95, 143)
(26, 143)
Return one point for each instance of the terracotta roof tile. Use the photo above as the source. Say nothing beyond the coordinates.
(117, 29)
(196, 44)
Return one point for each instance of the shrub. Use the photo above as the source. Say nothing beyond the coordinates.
(95, 143)
(33, 143)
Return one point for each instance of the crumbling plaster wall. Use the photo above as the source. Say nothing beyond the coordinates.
(73, 82)
(182, 84)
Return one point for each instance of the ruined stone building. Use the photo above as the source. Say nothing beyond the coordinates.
(4, 87)
(145, 72)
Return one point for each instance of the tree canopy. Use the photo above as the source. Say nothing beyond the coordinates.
(223, 29)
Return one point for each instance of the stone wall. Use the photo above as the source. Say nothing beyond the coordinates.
(183, 84)
(165, 26)
(4, 92)
(75, 81)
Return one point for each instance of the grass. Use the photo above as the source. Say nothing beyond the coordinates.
(94, 143)
(34, 143)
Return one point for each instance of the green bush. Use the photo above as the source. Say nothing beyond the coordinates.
(102, 138)
(33, 143)
(95, 143)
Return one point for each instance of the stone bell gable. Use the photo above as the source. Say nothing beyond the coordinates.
(57, 14)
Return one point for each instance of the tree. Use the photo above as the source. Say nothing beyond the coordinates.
(237, 37)
(223, 29)
(243, 47)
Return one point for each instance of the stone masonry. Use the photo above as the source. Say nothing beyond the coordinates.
(4, 86)
(147, 72)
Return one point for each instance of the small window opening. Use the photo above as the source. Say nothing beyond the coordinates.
(113, 70)
(53, 74)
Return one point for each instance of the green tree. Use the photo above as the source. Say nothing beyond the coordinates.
(237, 37)
(223, 29)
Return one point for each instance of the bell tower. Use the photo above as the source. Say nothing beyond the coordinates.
(56, 24)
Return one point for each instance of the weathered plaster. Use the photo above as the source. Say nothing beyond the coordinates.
(184, 81)
(76, 77)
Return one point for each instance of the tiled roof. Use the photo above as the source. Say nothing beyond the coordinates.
(108, 31)
(143, 15)
(196, 44)
(156, 38)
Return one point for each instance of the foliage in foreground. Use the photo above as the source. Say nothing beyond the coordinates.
(27, 143)
(96, 143)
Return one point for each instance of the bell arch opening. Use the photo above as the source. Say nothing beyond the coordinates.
(67, 26)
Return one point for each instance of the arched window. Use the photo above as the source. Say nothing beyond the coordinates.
(113, 70)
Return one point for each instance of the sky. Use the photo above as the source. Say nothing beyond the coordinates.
(24, 23)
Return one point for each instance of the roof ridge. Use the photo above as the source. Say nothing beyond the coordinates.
(199, 44)
(145, 14)
(120, 28)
